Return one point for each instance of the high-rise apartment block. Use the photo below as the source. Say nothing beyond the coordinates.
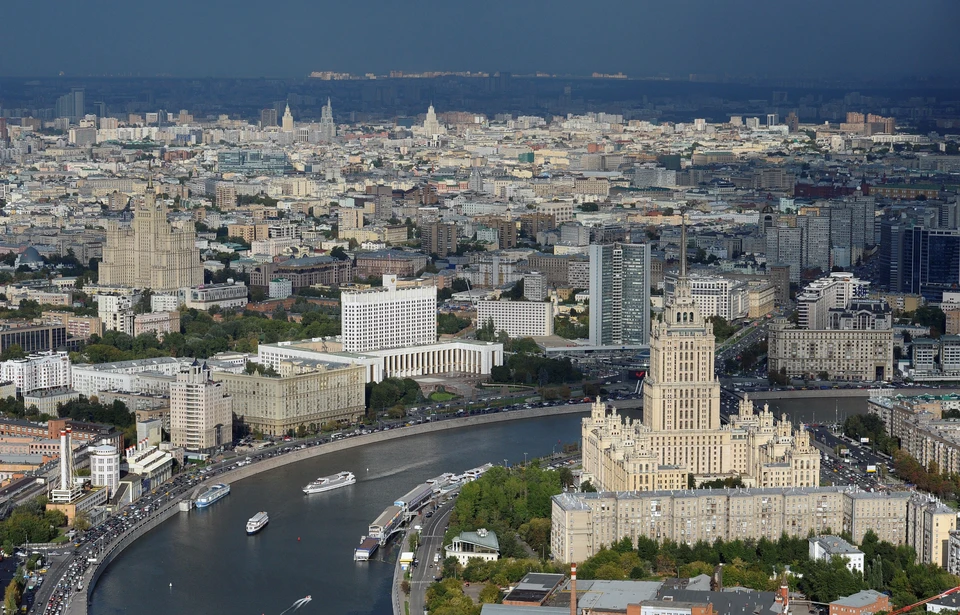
(619, 294)
(268, 118)
(396, 315)
(71, 106)
(150, 253)
(201, 412)
(534, 286)
(439, 238)
(822, 297)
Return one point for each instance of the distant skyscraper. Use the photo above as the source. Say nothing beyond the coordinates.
(619, 294)
(71, 105)
(328, 128)
(268, 118)
(431, 126)
(773, 119)
(475, 182)
(287, 120)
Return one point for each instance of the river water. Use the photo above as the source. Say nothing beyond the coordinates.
(308, 546)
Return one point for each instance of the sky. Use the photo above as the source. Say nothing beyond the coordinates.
(291, 38)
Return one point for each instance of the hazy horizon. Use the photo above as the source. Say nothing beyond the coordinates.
(291, 38)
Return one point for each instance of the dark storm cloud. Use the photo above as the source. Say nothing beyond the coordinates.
(294, 37)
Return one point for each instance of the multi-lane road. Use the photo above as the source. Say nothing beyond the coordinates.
(429, 564)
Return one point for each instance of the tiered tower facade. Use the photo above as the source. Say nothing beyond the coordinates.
(150, 253)
(680, 440)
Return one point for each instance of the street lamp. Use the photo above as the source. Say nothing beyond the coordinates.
(524, 460)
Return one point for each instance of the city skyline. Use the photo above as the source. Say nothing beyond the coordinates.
(853, 39)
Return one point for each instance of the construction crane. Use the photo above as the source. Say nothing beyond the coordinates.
(910, 607)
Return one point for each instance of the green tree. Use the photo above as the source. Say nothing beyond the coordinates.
(487, 331)
(490, 594)
(11, 352)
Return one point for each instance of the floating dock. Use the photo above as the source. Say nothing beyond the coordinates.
(368, 546)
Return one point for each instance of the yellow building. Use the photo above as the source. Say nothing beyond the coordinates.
(307, 393)
(762, 299)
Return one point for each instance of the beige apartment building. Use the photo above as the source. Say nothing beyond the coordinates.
(201, 416)
(844, 354)
(306, 393)
(582, 523)
(150, 253)
(917, 423)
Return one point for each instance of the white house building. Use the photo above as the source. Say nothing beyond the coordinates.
(482, 544)
(826, 547)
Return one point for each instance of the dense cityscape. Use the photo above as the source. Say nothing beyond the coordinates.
(656, 342)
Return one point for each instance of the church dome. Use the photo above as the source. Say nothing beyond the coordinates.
(30, 255)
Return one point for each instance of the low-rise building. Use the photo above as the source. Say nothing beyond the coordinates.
(89, 379)
(828, 547)
(714, 295)
(853, 354)
(160, 323)
(865, 602)
(482, 545)
(105, 467)
(46, 370)
(49, 401)
(280, 288)
(150, 463)
(227, 296)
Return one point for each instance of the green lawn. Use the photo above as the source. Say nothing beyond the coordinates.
(442, 396)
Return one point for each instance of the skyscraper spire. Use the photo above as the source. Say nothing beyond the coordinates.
(683, 244)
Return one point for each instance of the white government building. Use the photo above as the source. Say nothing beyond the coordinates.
(392, 332)
(395, 315)
(453, 357)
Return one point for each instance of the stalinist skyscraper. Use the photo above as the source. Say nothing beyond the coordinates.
(680, 440)
(328, 129)
(150, 253)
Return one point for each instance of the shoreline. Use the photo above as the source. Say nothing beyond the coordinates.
(172, 508)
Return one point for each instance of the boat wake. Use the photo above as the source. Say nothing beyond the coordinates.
(296, 605)
(394, 471)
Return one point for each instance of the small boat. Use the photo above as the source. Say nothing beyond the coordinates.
(329, 483)
(257, 523)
